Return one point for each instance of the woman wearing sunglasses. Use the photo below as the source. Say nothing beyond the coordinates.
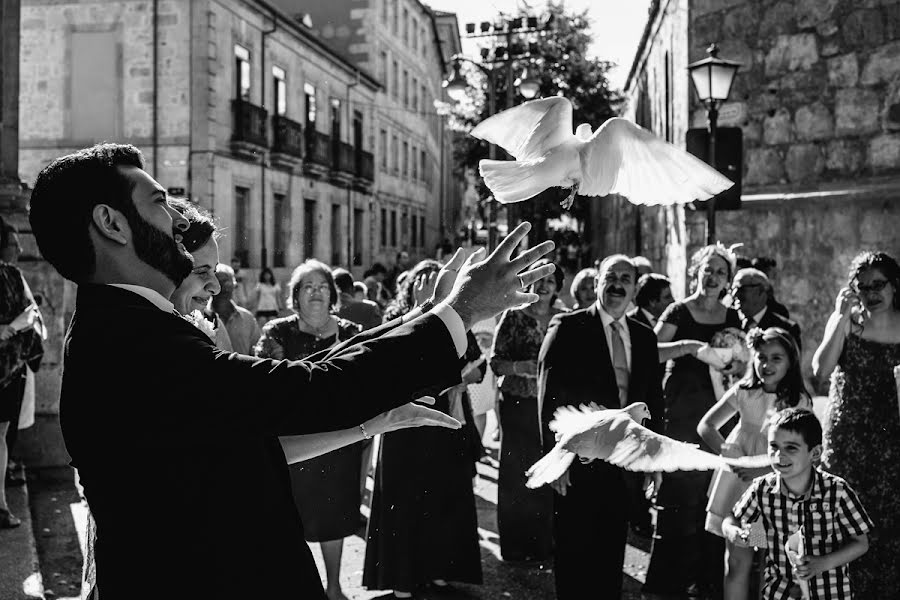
(861, 346)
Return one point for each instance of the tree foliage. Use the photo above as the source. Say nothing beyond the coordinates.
(563, 68)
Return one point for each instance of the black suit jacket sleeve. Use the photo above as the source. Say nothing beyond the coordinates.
(296, 397)
(556, 382)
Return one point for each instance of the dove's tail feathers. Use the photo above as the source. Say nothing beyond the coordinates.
(513, 180)
(550, 468)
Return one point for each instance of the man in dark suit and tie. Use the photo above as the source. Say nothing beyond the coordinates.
(596, 355)
(653, 295)
(750, 289)
(175, 441)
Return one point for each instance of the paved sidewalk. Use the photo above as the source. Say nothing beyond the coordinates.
(20, 577)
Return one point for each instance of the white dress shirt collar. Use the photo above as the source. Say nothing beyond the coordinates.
(650, 318)
(151, 296)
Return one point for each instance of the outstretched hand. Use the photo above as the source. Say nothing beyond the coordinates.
(485, 288)
(412, 414)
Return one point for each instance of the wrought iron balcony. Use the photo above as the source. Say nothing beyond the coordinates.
(287, 136)
(318, 152)
(365, 165)
(345, 158)
(248, 137)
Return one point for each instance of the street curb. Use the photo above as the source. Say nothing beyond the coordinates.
(20, 574)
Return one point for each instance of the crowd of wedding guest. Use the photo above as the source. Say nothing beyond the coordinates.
(616, 334)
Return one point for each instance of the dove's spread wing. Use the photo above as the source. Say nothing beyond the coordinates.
(623, 158)
(529, 130)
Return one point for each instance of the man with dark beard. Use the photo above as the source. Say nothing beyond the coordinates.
(161, 424)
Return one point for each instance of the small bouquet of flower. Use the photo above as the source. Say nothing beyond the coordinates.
(198, 320)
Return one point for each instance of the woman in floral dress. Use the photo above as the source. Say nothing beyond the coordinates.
(860, 349)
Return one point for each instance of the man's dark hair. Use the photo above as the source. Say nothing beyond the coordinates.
(343, 280)
(764, 263)
(201, 226)
(802, 421)
(375, 269)
(649, 288)
(65, 194)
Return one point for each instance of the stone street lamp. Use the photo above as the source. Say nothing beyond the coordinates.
(712, 79)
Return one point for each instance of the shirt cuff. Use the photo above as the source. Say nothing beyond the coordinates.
(454, 325)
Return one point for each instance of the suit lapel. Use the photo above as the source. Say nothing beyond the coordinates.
(637, 381)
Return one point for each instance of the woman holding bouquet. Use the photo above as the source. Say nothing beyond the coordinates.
(684, 555)
(859, 351)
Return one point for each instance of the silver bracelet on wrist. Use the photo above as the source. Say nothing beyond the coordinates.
(365, 433)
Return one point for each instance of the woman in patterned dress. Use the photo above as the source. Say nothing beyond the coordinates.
(326, 488)
(524, 516)
(860, 349)
(16, 347)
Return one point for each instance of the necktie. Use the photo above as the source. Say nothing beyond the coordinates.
(620, 362)
(750, 324)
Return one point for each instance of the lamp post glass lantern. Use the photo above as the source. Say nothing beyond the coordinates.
(458, 88)
(712, 78)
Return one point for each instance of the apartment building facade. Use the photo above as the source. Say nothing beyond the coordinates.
(235, 104)
(400, 43)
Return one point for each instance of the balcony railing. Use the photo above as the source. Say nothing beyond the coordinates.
(365, 165)
(345, 158)
(249, 123)
(318, 148)
(287, 136)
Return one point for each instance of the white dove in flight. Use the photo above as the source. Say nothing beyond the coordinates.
(619, 158)
(616, 436)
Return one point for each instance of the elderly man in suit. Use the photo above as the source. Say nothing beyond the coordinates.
(161, 424)
(596, 355)
(750, 288)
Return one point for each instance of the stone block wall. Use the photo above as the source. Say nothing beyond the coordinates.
(818, 95)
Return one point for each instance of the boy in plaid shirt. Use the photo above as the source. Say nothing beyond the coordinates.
(799, 495)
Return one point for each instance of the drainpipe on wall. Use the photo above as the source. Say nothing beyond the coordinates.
(262, 159)
(350, 85)
(154, 129)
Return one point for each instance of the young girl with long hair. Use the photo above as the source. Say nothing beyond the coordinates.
(773, 383)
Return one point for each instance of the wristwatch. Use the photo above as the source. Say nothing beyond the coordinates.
(427, 306)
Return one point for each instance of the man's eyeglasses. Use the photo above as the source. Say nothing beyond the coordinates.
(875, 286)
(738, 288)
(309, 288)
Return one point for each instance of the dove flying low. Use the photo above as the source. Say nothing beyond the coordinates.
(617, 437)
(619, 158)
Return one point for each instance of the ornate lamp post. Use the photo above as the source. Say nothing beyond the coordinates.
(712, 79)
(458, 88)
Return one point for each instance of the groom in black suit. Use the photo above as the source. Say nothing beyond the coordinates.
(596, 355)
(175, 441)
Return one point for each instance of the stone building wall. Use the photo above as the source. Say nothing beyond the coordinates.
(818, 95)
